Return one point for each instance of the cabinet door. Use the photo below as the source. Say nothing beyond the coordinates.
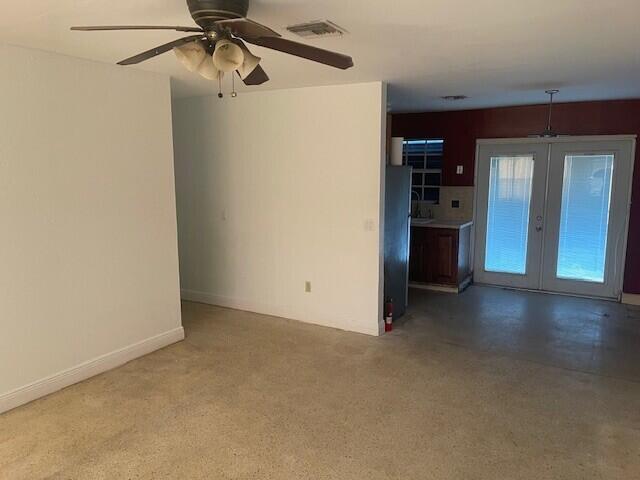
(445, 256)
(418, 255)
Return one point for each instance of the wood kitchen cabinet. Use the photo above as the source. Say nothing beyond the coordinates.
(418, 254)
(440, 256)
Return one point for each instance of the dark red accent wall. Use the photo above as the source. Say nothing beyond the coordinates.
(460, 129)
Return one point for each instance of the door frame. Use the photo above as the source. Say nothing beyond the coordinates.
(553, 140)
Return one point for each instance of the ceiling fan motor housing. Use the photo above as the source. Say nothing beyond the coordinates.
(207, 12)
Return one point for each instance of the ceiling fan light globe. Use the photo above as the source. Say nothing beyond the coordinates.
(191, 55)
(249, 65)
(208, 70)
(228, 56)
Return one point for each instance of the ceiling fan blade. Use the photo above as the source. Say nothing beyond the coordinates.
(243, 27)
(159, 50)
(333, 59)
(257, 77)
(135, 27)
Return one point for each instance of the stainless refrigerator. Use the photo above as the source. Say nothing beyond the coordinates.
(397, 223)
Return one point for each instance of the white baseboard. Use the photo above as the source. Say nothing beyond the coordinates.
(275, 311)
(443, 288)
(235, 304)
(88, 369)
(631, 298)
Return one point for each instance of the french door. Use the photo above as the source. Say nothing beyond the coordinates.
(551, 214)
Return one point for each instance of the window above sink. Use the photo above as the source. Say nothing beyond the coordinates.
(425, 155)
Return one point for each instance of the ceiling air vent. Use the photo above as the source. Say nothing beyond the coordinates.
(454, 98)
(318, 29)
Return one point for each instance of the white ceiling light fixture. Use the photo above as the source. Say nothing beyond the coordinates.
(228, 57)
(250, 63)
(195, 58)
(208, 70)
(191, 55)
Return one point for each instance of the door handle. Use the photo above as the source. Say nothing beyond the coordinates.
(539, 226)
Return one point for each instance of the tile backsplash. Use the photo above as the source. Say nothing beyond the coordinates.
(445, 210)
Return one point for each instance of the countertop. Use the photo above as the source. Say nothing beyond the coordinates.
(434, 223)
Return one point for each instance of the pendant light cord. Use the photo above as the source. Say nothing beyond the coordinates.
(550, 109)
(551, 93)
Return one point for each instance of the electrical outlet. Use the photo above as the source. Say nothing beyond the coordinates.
(307, 286)
(460, 169)
(455, 203)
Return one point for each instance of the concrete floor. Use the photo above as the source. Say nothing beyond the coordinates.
(592, 336)
(487, 385)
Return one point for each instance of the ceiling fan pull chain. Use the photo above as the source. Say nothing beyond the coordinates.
(234, 94)
(220, 94)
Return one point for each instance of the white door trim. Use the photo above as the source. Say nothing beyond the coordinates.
(564, 139)
(625, 239)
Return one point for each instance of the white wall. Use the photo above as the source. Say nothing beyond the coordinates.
(88, 248)
(282, 187)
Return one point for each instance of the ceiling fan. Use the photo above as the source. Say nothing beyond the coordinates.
(218, 44)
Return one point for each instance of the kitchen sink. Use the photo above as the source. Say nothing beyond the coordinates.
(421, 221)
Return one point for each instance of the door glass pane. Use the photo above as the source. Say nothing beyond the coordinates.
(584, 218)
(510, 183)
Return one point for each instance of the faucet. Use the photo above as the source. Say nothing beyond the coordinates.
(416, 213)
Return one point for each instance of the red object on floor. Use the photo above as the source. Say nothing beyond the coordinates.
(388, 315)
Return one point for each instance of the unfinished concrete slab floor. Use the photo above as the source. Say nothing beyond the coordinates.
(445, 396)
